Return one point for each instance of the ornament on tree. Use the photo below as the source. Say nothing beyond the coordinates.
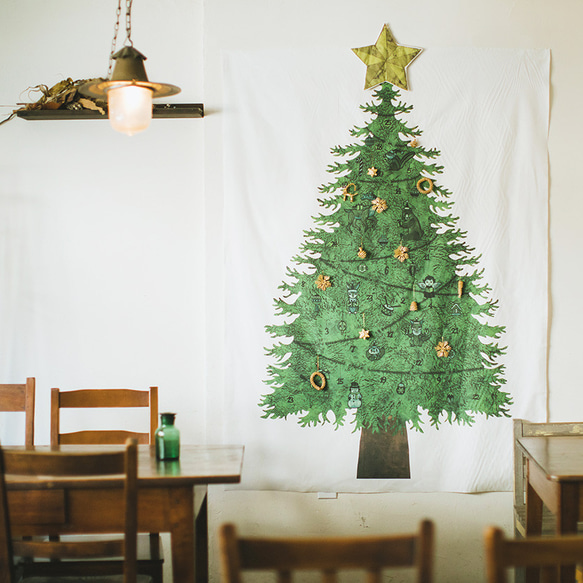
(379, 205)
(428, 188)
(364, 334)
(372, 171)
(355, 397)
(347, 193)
(443, 348)
(413, 307)
(460, 287)
(318, 375)
(386, 60)
(413, 143)
(401, 253)
(323, 282)
(361, 253)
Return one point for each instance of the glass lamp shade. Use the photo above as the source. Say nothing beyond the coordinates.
(130, 108)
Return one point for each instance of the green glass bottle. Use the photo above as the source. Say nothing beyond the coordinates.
(167, 438)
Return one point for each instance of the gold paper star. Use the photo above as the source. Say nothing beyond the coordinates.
(386, 60)
(401, 253)
(372, 171)
(364, 334)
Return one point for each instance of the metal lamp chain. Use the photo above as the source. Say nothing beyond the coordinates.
(129, 23)
(116, 31)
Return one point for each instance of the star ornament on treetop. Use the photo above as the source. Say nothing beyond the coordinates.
(386, 60)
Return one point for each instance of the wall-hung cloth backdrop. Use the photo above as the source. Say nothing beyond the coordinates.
(486, 111)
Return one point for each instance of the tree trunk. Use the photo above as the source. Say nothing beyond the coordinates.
(383, 454)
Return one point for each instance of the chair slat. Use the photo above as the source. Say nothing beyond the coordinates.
(18, 398)
(12, 397)
(68, 550)
(540, 552)
(103, 398)
(328, 555)
(103, 437)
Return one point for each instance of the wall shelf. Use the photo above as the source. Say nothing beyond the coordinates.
(159, 111)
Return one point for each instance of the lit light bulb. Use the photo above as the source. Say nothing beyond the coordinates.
(130, 108)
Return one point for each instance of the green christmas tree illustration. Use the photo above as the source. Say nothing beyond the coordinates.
(384, 314)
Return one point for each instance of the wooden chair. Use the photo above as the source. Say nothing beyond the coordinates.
(532, 553)
(284, 555)
(59, 466)
(150, 554)
(17, 397)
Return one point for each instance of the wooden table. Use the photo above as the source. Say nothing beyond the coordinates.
(172, 497)
(555, 478)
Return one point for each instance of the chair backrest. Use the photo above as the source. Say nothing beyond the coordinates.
(524, 428)
(546, 553)
(102, 398)
(54, 466)
(20, 397)
(328, 555)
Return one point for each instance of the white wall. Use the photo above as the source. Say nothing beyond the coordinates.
(111, 247)
(102, 253)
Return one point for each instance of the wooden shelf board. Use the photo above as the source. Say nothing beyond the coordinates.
(160, 111)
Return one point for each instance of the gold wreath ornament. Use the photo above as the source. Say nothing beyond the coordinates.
(346, 192)
(402, 253)
(323, 282)
(322, 378)
(379, 205)
(426, 190)
(443, 349)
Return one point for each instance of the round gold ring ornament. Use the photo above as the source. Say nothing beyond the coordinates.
(322, 378)
(425, 190)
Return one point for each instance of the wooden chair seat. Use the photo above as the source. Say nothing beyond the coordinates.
(148, 551)
(328, 555)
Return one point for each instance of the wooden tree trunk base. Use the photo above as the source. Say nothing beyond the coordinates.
(383, 454)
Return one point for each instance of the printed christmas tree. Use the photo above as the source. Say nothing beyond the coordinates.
(384, 315)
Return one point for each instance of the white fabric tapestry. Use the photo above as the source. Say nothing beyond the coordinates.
(386, 268)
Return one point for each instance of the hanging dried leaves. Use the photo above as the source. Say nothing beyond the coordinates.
(65, 95)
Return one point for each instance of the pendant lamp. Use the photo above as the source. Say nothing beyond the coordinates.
(127, 88)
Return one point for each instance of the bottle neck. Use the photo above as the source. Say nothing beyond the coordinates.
(167, 418)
